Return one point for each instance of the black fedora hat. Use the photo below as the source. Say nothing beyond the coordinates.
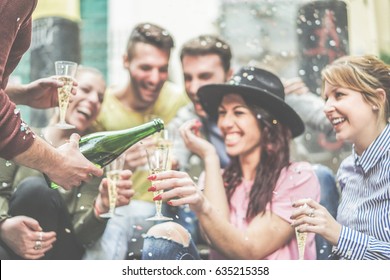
(256, 86)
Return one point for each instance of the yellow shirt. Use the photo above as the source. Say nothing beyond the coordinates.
(115, 116)
(69, 9)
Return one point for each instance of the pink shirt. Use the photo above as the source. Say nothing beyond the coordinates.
(299, 180)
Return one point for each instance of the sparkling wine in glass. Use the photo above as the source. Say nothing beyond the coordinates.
(300, 236)
(113, 171)
(65, 72)
(158, 161)
(301, 241)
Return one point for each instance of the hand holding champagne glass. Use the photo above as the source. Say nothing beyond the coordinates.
(300, 236)
(65, 72)
(158, 158)
(113, 171)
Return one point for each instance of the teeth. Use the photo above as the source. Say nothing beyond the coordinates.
(150, 87)
(85, 112)
(337, 120)
(232, 138)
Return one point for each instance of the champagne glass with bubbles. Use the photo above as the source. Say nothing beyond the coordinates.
(65, 72)
(113, 171)
(300, 236)
(158, 158)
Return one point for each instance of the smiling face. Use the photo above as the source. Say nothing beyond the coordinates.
(352, 117)
(200, 70)
(85, 105)
(239, 127)
(148, 70)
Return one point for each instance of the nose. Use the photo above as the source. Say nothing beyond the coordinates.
(329, 106)
(154, 76)
(93, 97)
(193, 87)
(225, 121)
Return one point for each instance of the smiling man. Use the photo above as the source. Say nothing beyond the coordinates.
(148, 92)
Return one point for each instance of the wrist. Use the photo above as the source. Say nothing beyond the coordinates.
(98, 207)
(17, 93)
(97, 210)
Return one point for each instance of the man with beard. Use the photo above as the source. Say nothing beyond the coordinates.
(148, 92)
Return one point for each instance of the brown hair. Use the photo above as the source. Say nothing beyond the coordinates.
(152, 34)
(275, 155)
(208, 44)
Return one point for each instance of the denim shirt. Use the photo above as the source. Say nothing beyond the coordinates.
(364, 210)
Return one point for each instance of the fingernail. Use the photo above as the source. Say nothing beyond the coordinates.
(170, 203)
(152, 177)
(158, 197)
(152, 189)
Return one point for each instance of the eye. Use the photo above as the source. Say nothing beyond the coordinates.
(338, 94)
(205, 76)
(239, 112)
(85, 89)
(221, 112)
(164, 69)
(145, 67)
(187, 78)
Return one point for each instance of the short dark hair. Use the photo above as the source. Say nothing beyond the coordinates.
(152, 34)
(208, 44)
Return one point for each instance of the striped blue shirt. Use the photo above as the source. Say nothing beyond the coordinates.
(364, 210)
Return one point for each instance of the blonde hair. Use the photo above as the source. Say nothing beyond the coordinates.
(364, 74)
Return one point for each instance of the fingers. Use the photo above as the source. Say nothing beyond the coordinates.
(124, 197)
(74, 140)
(177, 186)
(170, 174)
(190, 127)
(43, 242)
(306, 201)
(94, 171)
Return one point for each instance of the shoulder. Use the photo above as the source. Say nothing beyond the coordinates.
(172, 90)
(298, 178)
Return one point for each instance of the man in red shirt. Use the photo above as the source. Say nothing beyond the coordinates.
(65, 166)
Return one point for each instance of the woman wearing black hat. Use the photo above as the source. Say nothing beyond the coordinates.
(245, 213)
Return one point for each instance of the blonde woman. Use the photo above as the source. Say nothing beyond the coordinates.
(357, 92)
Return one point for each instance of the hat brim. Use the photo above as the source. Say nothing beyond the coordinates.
(210, 97)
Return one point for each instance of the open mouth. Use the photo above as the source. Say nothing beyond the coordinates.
(337, 121)
(232, 138)
(85, 112)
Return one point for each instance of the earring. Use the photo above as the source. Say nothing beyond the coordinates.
(375, 108)
(258, 116)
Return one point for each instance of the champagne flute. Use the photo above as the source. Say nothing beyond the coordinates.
(300, 236)
(65, 72)
(113, 171)
(165, 139)
(301, 241)
(158, 161)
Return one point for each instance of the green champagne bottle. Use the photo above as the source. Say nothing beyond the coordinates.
(103, 147)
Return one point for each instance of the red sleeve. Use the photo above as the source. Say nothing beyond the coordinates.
(15, 30)
(15, 136)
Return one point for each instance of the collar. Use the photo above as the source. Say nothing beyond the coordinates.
(374, 151)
